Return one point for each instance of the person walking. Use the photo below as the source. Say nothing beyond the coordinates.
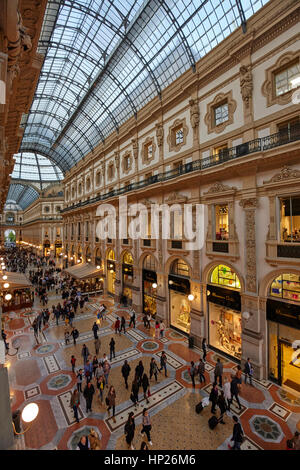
(117, 326)
(111, 401)
(153, 368)
(73, 363)
(218, 372)
(146, 425)
(74, 334)
(234, 389)
(74, 403)
(135, 391)
(79, 378)
(201, 370)
(237, 435)
(222, 405)
(123, 323)
(132, 319)
(125, 372)
(192, 372)
(129, 429)
(157, 329)
(100, 387)
(84, 443)
(97, 344)
(139, 370)
(85, 353)
(213, 397)
(248, 371)
(162, 328)
(88, 371)
(227, 392)
(95, 365)
(204, 349)
(35, 326)
(106, 370)
(148, 320)
(163, 363)
(95, 329)
(145, 385)
(88, 394)
(112, 348)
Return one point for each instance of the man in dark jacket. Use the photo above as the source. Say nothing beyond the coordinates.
(248, 371)
(213, 397)
(219, 372)
(125, 372)
(237, 435)
(235, 390)
(95, 329)
(88, 394)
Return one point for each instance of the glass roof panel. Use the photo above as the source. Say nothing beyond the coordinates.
(35, 167)
(21, 194)
(105, 59)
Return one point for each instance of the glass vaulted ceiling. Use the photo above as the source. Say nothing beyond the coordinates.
(105, 59)
(21, 194)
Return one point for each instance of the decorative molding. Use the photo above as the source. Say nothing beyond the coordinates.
(219, 187)
(285, 173)
(135, 148)
(127, 157)
(250, 203)
(171, 138)
(246, 84)
(268, 86)
(209, 118)
(194, 113)
(176, 197)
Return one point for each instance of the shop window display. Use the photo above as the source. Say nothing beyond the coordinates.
(180, 311)
(290, 219)
(225, 329)
(221, 221)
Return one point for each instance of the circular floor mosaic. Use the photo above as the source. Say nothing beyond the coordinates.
(45, 349)
(150, 345)
(59, 381)
(266, 428)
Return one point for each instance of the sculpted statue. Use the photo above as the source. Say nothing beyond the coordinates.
(159, 134)
(246, 83)
(194, 113)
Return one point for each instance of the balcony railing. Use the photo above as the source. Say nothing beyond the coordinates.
(247, 148)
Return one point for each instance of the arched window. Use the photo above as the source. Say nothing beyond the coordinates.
(111, 255)
(149, 263)
(225, 276)
(286, 286)
(127, 258)
(180, 268)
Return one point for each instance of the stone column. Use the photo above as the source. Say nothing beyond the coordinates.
(252, 338)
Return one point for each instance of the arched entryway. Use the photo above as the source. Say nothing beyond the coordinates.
(179, 291)
(98, 258)
(111, 271)
(283, 323)
(149, 285)
(88, 255)
(127, 278)
(224, 311)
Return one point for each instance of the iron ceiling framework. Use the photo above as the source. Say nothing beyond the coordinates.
(21, 194)
(105, 59)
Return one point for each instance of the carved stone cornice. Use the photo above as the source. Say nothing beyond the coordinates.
(285, 174)
(250, 203)
(219, 187)
(176, 197)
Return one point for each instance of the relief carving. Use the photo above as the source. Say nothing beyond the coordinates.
(194, 113)
(218, 187)
(285, 173)
(246, 84)
(159, 134)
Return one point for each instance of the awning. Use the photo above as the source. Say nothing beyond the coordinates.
(84, 271)
(17, 280)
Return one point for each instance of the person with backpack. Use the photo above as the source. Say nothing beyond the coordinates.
(237, 435)
(248, 371)
(129, 429)
(146, 425)
(125, 372)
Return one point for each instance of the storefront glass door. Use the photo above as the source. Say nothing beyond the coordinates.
(290, 366)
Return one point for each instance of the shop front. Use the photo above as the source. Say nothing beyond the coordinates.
(58, 247)
(21, 298)
(179, 290)
(127, 278)
(224, 312)
(111, 272)
(46, 248)
(283, 317)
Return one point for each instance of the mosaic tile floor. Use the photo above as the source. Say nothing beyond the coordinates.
(42, 373)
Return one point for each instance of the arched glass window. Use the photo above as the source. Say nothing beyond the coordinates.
(225, 276)
(286, 286)
(149, 263)
(111, 255)
(127, 258)
(180, 268)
